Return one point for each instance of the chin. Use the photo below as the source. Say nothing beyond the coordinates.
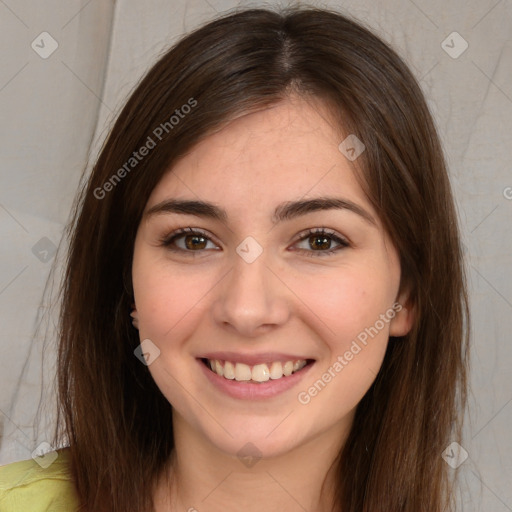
(266, 437)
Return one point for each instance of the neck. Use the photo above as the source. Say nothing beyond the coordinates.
(206, 478)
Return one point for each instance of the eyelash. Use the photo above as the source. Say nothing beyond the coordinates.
(168, 240)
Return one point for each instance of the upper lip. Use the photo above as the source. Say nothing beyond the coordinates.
(253, 359)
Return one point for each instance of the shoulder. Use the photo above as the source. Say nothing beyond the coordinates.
(38, 487)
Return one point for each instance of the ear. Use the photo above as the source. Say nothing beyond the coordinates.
(135, 317)
(405, 314)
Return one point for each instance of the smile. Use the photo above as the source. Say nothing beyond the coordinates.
(262, 372)
(253, 376)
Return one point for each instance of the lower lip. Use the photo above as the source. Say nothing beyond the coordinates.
(254, 391)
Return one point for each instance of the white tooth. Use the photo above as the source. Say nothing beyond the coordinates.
(296, 365)
(288, 368)
(276, 370)
(229, 370)
(218, 368)
(260, 373)
(242, 372)
(302, 364)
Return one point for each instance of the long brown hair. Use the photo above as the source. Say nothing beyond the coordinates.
(238, 63)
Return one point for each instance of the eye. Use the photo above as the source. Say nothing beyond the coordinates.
(188, 240)
(319, 242)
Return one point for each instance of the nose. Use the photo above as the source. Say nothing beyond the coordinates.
(252, 298)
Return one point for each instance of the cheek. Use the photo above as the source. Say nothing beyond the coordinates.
(345, 302)
(347, 312)
(169, 301)
(168, 297)
(170, 304)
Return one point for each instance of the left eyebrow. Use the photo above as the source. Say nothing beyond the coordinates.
(188, 207)
(283, 212)
(293, 209)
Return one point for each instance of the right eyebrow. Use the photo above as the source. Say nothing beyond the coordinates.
(188, 207)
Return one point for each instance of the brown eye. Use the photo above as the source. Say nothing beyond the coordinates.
(195, 242)
(188, 241)
(319, 242)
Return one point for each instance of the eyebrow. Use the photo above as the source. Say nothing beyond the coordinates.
(283, 212)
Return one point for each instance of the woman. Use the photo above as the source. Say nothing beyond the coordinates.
(264, 304)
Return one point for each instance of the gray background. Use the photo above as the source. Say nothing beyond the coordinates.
(56, 111)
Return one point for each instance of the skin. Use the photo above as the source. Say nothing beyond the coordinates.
(286, 300)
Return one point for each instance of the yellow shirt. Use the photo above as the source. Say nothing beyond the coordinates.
(27, 486)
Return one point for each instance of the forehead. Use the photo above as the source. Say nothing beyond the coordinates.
(285, 152)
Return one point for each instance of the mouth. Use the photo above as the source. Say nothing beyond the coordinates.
(257, 373)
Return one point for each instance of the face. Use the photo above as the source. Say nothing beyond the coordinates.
(263, 286)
